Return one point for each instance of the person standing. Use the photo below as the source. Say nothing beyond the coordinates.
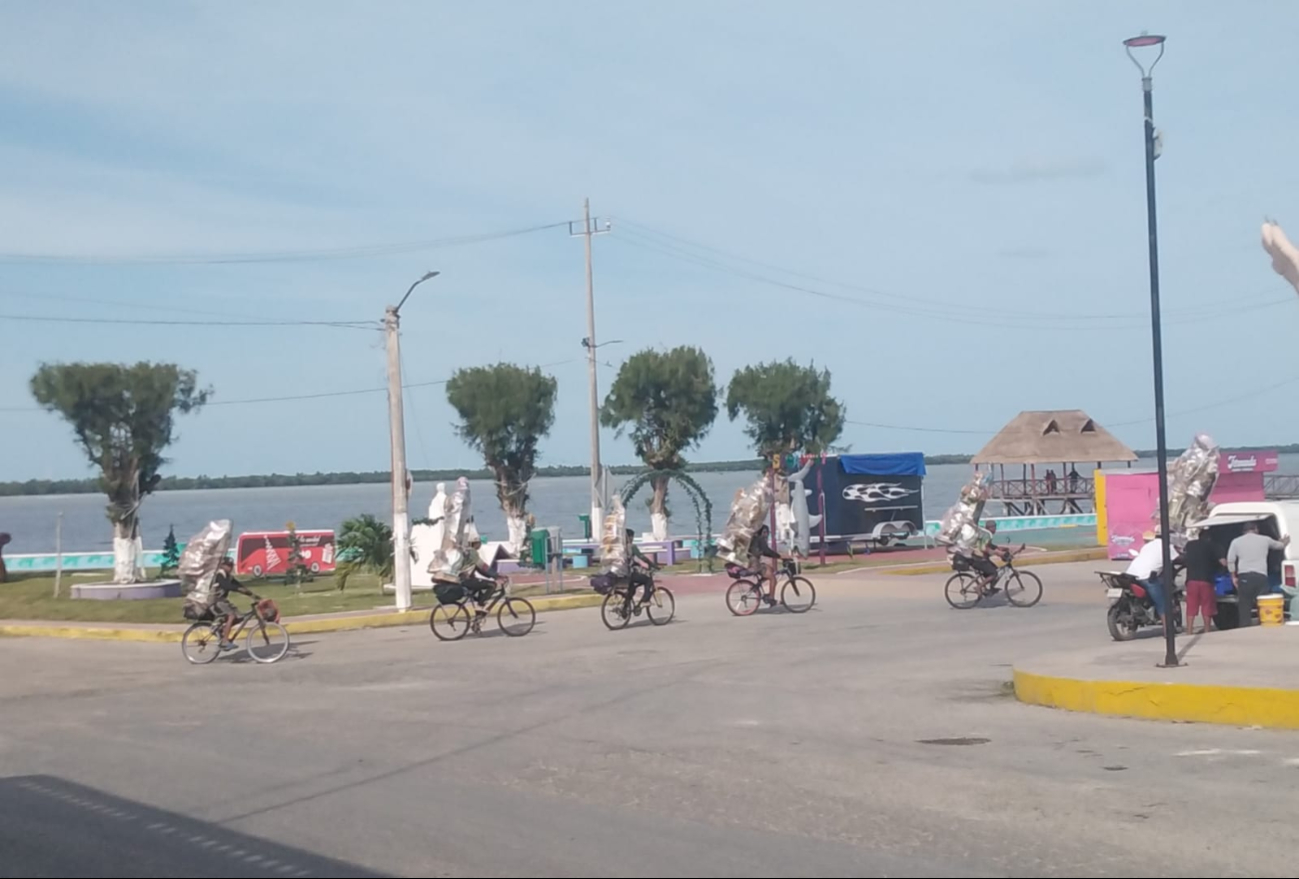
(1247, 562)
(1204, 559)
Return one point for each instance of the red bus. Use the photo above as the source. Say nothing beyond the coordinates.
(266, 553)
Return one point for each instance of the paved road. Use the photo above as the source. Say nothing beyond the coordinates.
(874, 736)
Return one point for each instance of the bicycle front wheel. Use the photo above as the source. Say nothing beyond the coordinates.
(516, 617)
(662, 606)
(798, 595)
(269, 642)
(201, 643)
(1023, 589)
(963, 591)
(614, 611)
(450, 622)
(743, 598)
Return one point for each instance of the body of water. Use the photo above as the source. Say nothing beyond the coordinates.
(555, 501)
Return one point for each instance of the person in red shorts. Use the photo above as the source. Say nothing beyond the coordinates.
(1204, 560)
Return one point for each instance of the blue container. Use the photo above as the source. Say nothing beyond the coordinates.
(1222, 585)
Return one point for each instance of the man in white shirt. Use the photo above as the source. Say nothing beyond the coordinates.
(1147, 566)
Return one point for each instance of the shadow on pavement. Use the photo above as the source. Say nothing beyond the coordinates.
(52, 827)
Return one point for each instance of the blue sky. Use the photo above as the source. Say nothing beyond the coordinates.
(965, 179)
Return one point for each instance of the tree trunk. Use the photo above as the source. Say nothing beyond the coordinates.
(514, 504)
(127, 550)
(659, 508)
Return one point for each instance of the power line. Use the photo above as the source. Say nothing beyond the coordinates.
(48, 318)
(649, 239)
(330, 253)
(320, 395)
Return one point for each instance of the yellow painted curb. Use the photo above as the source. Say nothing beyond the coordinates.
(1093, 554)
(1197, 703)
(296, 627)
(94, 633)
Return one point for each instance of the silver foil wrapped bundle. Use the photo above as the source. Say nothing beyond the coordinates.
(959, 526)
(198, 562)
(613, 549)
(459, 519)
(1190, 482)
(748, 511)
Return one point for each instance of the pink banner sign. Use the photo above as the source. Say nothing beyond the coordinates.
(1248, 462)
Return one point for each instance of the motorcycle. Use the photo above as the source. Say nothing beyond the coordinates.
(1132, 608)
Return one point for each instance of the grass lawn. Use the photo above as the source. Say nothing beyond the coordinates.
(31, 597)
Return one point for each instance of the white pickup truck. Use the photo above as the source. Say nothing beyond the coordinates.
(1275, 519)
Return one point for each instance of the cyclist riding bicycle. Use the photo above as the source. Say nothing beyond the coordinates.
(979, 557)
(759, 551)
(222, 586)
(476, 577)
(636, 575)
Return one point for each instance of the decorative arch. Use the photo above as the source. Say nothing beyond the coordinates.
(698, 497)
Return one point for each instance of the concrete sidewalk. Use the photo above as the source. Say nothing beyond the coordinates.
(1242, 677)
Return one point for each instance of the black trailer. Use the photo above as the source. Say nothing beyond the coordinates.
(867, 498)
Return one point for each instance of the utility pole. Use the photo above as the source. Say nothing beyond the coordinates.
(589, 229)
(397, 437)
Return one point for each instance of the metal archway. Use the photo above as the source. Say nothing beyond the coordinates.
(703, 506)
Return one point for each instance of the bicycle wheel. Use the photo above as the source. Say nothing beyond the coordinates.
(966, 593)
(798, 595)
(743, 598)
(516, 617)
(662, 606)
(1023, 589)
(201, 643)
(268, 643)
(450, 622)
(613, 610)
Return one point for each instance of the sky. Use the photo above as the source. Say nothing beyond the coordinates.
(943, 203)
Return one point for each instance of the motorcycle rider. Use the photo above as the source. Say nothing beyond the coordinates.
(1147, 567)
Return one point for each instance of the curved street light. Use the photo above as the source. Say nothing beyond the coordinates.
(1151, 41)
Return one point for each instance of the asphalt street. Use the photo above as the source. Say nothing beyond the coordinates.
(874, 736)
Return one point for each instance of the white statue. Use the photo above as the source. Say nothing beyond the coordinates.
(427, 539)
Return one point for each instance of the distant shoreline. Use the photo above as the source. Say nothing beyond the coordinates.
(38, 487)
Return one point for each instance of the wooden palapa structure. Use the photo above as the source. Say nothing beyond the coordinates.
(1042, 439)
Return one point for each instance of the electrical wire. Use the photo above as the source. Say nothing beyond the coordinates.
(330, 253)
(40, 318)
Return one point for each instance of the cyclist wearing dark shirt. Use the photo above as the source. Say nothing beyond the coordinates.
(759, 550)
(636, 573)
(222, 586)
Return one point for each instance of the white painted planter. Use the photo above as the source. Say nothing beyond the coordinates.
(128, 591)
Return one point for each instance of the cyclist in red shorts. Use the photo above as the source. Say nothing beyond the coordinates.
(1204, 560)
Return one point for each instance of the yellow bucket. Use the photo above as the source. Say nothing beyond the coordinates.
(1271, 610)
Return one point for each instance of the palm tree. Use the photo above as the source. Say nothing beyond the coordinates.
(365, 544)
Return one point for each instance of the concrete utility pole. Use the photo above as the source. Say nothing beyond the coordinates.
(589, 229)
(397, 437)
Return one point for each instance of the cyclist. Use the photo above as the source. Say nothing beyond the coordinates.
(979, 556)
(759, 551)
(476, 577)
(636, 575)
(222, 586)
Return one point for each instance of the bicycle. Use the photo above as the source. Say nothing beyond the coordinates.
(267, 642)
(619, 606)
(745, 596)
(1023, 588)
(455, 617)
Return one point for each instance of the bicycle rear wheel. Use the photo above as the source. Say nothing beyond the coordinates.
(450, 622)
(798, 595)
(743, 598)
(1023, 589)
(963, 591)
(613, 611)
(516, 617)
(201, 643)
(662, 606)
(267, 643)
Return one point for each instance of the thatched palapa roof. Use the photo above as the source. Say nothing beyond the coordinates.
(1063, 436)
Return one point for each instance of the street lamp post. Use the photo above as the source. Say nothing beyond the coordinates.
(1148, 41)
(401, 580)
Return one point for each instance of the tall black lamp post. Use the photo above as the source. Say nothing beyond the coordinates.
(1150, 41)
